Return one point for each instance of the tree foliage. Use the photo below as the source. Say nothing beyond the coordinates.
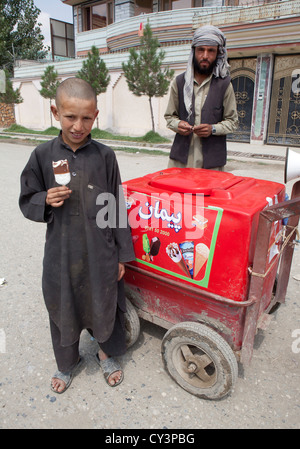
(20, 33)
(49, 85)
(144, 72)
(95, 72)
(10, 96)
(49, 82)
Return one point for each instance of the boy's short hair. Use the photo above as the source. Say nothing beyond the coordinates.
(75, 88)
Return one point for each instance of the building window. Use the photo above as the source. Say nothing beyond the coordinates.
(110, 12)
(181, 4)
(166, 5)
(97, 15)
(143, 6)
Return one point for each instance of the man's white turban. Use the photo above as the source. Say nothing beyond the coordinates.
(206, 35)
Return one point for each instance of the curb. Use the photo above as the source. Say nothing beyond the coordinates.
(163, 147)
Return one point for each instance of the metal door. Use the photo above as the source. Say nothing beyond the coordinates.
(243, 78)
(284, 117)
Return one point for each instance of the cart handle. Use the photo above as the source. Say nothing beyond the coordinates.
(287, 209)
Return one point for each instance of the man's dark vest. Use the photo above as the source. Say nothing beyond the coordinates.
(213, 147)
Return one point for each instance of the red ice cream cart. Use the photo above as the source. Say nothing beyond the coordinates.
(207, 246)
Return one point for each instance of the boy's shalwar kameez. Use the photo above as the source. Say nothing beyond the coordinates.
(80, 267)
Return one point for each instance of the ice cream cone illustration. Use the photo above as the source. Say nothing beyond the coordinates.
(187, 251)
(201, 256)
(175, 255)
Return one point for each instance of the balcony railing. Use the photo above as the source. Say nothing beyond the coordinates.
(160, 22)
(169, 27)
(249, 13)
(180, 24)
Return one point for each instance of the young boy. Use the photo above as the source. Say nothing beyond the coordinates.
(83, 262)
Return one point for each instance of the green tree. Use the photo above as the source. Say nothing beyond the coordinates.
(20, 33)
(143, 71)
(49, 85)
(95, 72)
(10, 96)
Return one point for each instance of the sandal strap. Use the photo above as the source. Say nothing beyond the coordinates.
(109, 366)
(65, 377)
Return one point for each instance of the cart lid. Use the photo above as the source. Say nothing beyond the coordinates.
(206, 182)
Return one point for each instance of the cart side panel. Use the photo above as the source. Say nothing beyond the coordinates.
(166, 303)
(224, 225)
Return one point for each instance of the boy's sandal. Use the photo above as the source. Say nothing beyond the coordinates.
(110, 366)
(65, 377)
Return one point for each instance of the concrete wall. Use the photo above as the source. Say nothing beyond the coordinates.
(120, 110)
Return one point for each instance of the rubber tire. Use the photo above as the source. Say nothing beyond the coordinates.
(132, 324)
(216, 348)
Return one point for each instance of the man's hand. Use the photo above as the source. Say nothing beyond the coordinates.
(121, 271)
(203, 130)
(57, 195)
(184, 128)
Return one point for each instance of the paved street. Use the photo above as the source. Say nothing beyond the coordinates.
(267, 393)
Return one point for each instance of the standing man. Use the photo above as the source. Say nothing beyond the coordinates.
(202, 106)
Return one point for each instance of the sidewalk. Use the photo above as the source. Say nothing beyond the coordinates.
(236, 150)
(275, 153)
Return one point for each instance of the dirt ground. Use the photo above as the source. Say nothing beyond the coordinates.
(266, 394)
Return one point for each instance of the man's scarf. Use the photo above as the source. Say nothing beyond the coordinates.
(206, 35)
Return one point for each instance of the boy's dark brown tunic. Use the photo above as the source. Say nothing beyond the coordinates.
(80, 265)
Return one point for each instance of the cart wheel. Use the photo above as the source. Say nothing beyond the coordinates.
(132, 324)
(199, 360)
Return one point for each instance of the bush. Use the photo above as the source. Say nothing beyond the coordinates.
(52, 131)
(149, 137)
(18, 129)
(154, 137)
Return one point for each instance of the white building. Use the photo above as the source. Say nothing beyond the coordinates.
(263, 41)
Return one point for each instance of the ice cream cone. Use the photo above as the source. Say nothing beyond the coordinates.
(187, 251)
(181, 264)
(201, 256)
(174, 253)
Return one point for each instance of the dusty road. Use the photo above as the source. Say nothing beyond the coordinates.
(267, 394)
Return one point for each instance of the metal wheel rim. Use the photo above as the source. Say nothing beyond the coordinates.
(194, 365)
